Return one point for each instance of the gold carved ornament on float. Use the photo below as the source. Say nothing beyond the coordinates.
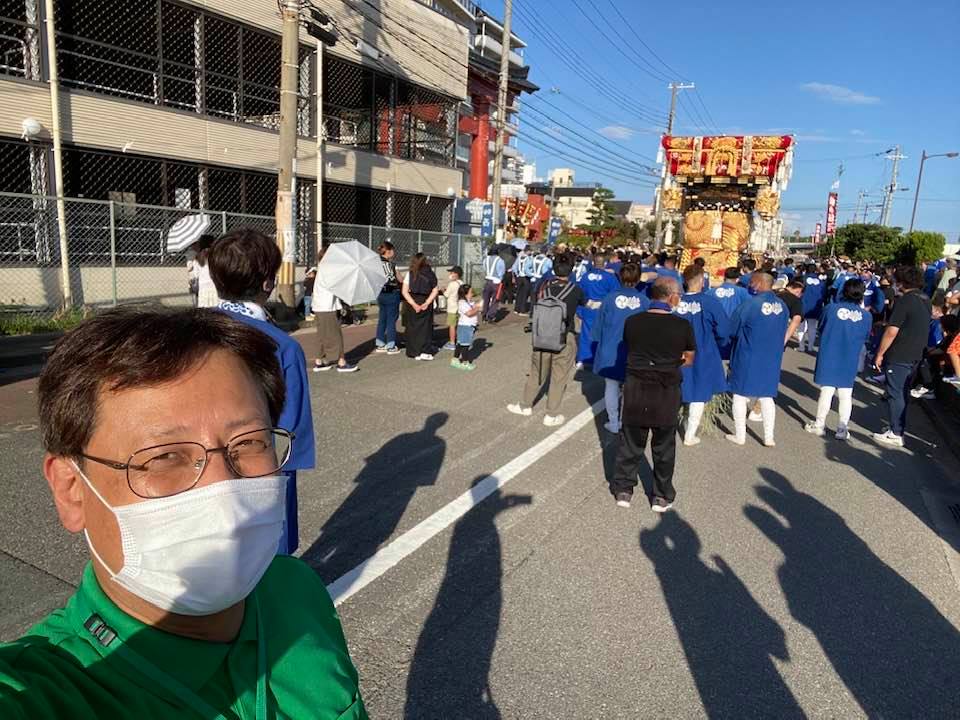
(700, 239)
(767, 203)
(672, 199)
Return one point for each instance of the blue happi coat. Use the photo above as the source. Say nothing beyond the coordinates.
(758, 328)
(814, 292)
(873, 298)
(844, 328)
(730, 295)
(610, 355)
(596, 285)
(705, 378)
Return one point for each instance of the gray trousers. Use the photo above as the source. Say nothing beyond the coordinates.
(555, 369)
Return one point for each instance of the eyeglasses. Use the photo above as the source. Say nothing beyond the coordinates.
(173, 468)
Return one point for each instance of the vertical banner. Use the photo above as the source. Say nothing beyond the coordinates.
(486, 220)
(555, 225)
(831, 214)
(816, 234)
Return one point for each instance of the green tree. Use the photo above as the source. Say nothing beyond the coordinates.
(601, 213)
(867, 242)
(920, 246)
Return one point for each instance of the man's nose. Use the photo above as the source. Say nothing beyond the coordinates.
(217, 468)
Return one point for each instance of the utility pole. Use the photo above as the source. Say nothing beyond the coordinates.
(891, 188)
(501, 112)
(857, 211)
(66, 293)
(658, 239)
(289, 96)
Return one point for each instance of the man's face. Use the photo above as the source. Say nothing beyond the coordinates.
(211, 404)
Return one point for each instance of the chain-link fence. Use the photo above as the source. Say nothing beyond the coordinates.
(117, 251)
(443, 250)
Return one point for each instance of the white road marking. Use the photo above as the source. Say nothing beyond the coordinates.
(369, 570)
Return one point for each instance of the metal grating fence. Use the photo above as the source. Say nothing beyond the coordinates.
(117, 250)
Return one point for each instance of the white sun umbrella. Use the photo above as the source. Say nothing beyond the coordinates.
(186, 231)
(352, 272)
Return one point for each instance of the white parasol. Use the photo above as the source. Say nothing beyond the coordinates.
(352, 272)
(186, 231)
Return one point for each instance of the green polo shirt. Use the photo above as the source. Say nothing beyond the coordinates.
(56, 670)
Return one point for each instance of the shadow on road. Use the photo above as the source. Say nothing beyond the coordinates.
(729, 640)
(384, 488)
(888, 643)
(449, 674)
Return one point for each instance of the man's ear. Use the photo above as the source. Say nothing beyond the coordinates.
(66, 485)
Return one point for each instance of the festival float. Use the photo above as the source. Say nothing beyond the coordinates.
(725, 190)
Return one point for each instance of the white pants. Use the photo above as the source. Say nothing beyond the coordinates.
(807, 334)
(845, 401)
(694, 416)
(611, 398)
(768, 410)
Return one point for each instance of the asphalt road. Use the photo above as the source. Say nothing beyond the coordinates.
(815, 579)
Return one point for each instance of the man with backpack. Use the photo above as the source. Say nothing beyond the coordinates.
(554, 352)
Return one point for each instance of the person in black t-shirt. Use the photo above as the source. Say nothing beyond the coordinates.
(658, 344)
(555, 369)
(901, 349)
(791, 296)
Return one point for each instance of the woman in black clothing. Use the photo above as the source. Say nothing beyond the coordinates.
(419, 291)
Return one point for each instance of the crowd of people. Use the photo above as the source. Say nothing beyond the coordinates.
(173, 441)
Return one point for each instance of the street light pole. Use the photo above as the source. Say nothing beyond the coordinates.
(916, 192)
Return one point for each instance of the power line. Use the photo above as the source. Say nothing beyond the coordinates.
(673, 73)
(699, 98)
(561, 49)
(602, 164)
(600, 116)
(647, 68)
(603, 172)
(528, 106)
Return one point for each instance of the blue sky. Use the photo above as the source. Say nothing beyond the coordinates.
(848, 78)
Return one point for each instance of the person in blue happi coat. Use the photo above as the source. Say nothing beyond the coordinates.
(596, 284)
(846, 273)
(244, 265)
(759, 331)
(814, 294)
(705, 378)
(749, 266)
(787, 269)
(610, 356)
(873, 297)
(844, 328)
(667, 267)
(731, 294)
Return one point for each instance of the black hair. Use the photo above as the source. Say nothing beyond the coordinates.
(853, 290)
(562, 266)
(462, 292)
(241, 262)
(731, 273)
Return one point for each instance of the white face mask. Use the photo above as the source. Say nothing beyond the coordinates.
(201, 551)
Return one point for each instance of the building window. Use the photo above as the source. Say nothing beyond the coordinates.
(359, 205)
(20, 39)
(176, 56)
(379, 113)
(149, 194)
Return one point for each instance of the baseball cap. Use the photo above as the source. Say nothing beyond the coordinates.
(456, 269)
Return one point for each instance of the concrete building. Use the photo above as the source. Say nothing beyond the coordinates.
(177, 104)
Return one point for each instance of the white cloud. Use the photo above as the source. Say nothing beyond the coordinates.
(616, 132)
(839, 94)
(855, 131)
